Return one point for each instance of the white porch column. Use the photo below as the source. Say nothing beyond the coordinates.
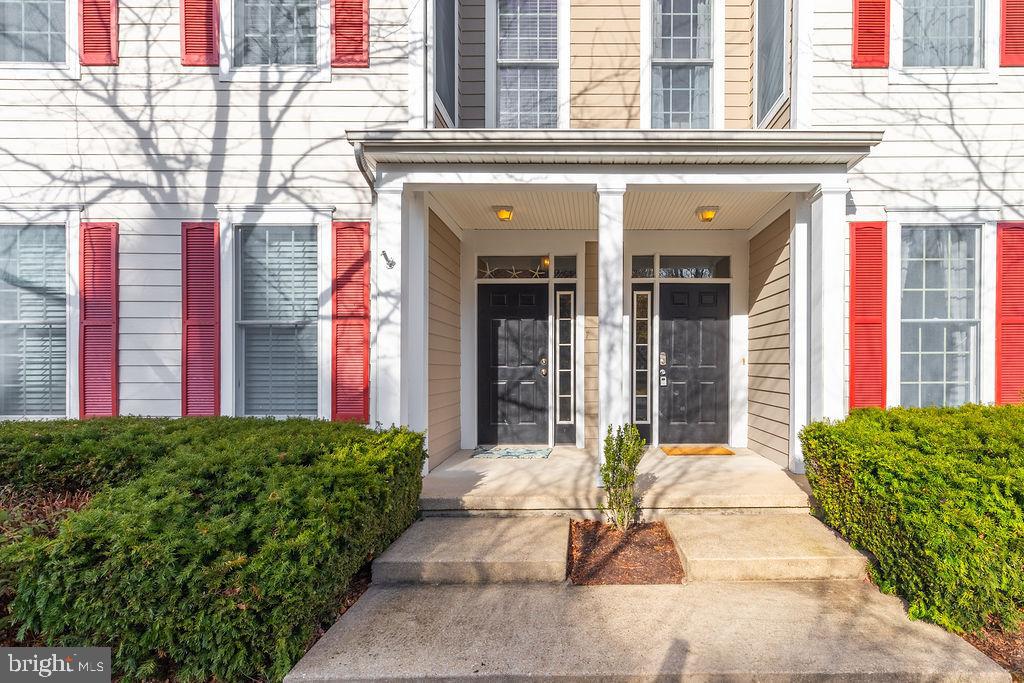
(398, 310)
(613, 378)
(827, 247)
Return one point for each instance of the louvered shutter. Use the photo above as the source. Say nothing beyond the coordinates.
(351, 24)
(867, 314)
(870, 34)
(279, 310)
(98, 308)
(1010, 313)
(351, 322)
(200, 319)
(199, 33)
(98, 28)
(1011, 34)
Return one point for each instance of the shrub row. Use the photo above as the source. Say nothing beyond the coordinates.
(937, 497)
(224, 553)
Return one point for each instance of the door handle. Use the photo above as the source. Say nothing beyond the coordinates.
(543, 372)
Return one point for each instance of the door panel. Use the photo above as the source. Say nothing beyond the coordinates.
(513, 367)
(693, 372)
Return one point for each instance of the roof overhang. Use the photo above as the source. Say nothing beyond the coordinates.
(405, 147)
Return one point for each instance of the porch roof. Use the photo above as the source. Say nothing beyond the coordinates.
(601, 146)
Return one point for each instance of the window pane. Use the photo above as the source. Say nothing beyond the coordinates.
(33, 337)
(940, 33)
(280, 369)
(681, 96)
(771, 54)
(275, 32)
(278, 273)
(682, 29)
(444, 54)
(643, 266)
(527, 96)
(512, 267)
(693, 266)
(565, 266)
(32, 31)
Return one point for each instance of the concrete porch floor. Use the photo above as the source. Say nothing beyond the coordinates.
(564, 483)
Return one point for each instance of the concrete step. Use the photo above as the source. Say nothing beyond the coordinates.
(768, 547)
(477, 550)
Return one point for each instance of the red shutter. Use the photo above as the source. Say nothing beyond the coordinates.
(870, 34)
(351, 327)
(199, 33)
(98, 309)
(1011, 34)
(351, 20)
(867, 314)
(98, 26)
(200, 319)
(1010, 313)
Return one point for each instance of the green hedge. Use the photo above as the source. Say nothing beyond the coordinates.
(937, 497)
(231, 546)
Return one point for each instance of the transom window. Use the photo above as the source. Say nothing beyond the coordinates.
(33, 322)
(33, 31)
(681, 64)
(527, 63)
(275, 32)
(277, 323)
(941, 33)
(939, 311)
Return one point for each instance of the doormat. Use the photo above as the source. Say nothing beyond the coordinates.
(697, 450)
(512, 452)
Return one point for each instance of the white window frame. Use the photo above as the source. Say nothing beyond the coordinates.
(232, 216)
(985, 73)
(985, 261)
(763, 121)
(491, 64)
(70, 69)
(717, 65)
(318, 72)
(71, 218)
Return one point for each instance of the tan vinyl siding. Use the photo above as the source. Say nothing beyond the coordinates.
(443, 340)
(739, 63)
(768, 408)
(604, 64)
(471, 63)
(590, 328)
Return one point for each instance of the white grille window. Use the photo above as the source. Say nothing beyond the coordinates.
(527, 63)
(566, 333)
(275, 32)
(681, 64)
(938, 33)
(939, 311)
(771, 56)
(33, 323)
(641, 357)
(33, 31)
(278, 320)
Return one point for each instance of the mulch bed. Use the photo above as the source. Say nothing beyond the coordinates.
(599, 554)
(1007, 649)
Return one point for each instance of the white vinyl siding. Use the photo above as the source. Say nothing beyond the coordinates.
(681, 64)
(527, 67)
(33, 322)
(278, 320)
(941, 33)
(33, 31)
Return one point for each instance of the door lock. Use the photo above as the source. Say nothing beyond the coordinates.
(543, 360)
(543, 372)
(662, 359)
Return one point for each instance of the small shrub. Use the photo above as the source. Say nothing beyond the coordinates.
(937, 497)
(623, 450)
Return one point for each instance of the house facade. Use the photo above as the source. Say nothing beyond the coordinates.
(512, 221)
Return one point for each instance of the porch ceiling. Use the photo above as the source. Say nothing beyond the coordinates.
(472, 209)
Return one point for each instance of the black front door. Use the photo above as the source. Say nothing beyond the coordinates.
(513, 359)
(693, 364)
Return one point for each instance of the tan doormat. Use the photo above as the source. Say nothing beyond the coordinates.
(697, 449)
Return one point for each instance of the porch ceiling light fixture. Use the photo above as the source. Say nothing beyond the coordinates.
(706, 214)
(504, 213)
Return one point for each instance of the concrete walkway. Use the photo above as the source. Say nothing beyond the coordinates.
(766, 631)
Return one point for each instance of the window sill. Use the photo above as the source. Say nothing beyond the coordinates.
(313, 74)
(942, 76)
(40, 72)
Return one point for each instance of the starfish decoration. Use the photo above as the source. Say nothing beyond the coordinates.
(514, 272)
(538, 271)
(488, 271)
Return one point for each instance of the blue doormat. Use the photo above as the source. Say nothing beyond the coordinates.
(516, 452)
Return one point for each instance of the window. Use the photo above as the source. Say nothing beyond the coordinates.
(565, 350)
(445, 76)
(513, 267)
(33, 320)
(693, 267)
(527, 67)
(33, 31)
(277, 320)
(941, 33)
(641, 356)
(771, 56)
(275, 32)
(939, 312)
(681, 64)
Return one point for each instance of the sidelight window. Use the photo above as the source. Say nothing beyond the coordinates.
(565, 337)
(641, 357)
